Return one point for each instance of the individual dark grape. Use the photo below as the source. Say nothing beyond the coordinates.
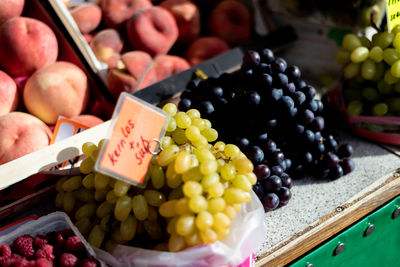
(271, 124)
(309, 91)
(259, 190)
(288, 163)
(242, 143)
(276, 94)
(322, 173)
(277, 157)
(251, 59)
(279, 65)
(347, 165)
(261, 138)
(293, 112)
(284, 194)
(290, 88)
(286, 180)
(331, 159)
(298, 97)
(286, 102)
(307, 158)
(344, 151)
(297, 171)
(272, 183)
(319, 149)
(216, 91)
(300, 84)
(262, 171)
(318, 137)
(293, 72)
(309, 136)
(206, 108)
(264, 68)
(270, 201)
(265, 80)
(255, 154)
(336, 172)
(184, 104)
(267, 56)
(269, 146)
(330, 143)
(280, 80)
(252, 99)
(318, 124)
(276, 170)
(312, 105)
(192, 84)
(298, 129)
(306, 117)
(320, 106)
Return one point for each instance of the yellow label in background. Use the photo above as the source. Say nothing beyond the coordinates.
(392, 13)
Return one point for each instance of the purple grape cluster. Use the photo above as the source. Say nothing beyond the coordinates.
(273, 116)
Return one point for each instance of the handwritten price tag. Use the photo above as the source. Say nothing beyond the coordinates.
(133, 136)
(393, 13)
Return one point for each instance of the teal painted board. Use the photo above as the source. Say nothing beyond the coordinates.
(373, 241)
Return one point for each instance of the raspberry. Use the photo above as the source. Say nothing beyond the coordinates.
(89, 263)
(23, 245)
(5, 252)
(60, 240)
(73, 243)
(68, 260)
(39, 241)
(43, 263)
(20, 262)
(45, 252)
(32, 263)
(6, 262)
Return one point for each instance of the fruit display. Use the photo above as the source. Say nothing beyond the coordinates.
(371, 71)
(133, 37)
(61, 248)
(194, 190)
(274, 117)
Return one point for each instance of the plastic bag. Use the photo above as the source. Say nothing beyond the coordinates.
(247, 233)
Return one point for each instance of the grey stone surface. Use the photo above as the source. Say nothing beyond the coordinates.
(312, 199)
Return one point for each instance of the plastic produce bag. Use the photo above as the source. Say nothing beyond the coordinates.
(247, 233)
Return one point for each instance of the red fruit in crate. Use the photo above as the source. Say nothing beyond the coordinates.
(43, 263)
(9, 96)
(45, 252)
(116, 12)
(74, 244)
(5, 252)
(20, 261)
(205, 48)
(39, 241)
(67, 233)
(60, 240)
(24, 246)
(89, 263)
(10, 9)
(67, 260)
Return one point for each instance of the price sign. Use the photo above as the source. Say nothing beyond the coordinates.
(392, 13)
(133, 137)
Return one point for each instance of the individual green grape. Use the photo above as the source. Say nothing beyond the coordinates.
(153, 229)
(231, 151)
(192, 133)
(84, 225)
(171, 125)
(128, 228)
(365, 41)
(197, 203)
(234, 195)
(193, 174)
(230, 211)
(59, 184)
(59, 200)
(380, 109)
(111, 197)
(100, 194)
(342, 57)
(88, 181)
(167, 209)
(355, 108)
(207, 123)
(228, 171)
(96, 236)
(221, 221)
(185, 224)
(153, 214)
(104, 209)
(122, 208)
(210, 134)
(243, 165)
(216, 205)
(193, 239)
(396, 41)
(154, 198)
(209, 180)
(157, 177)
(391, 55)
(193, 113)
(203, 153)
(88, 148)
(376, 54)
(117, 236)
(368, 69)
(194, 162)
(72, 183)
(171, 225)
(168, 155)
(121, 188)
(395, 69)
(182, 120)
(252, 178)
(179, 136)
(95, 154)
(200, 142)
(371, 94)
(175, 193)
(208, 167)
(86, 210)
(101, 181)
(166, 141)
(176, 243)
(383, 39)
(192, 188)
(389, 78)
(174, 179)
(204, 220)
(219, 146)
(384, 88)
(199, 123)
(105, 223)
(170, 108)
(69, 202)
(208, 236)
(84, 195)
(87, 166)
(182, 162)
(351, 70)
(182, 206)
(216, 190)
(395, 30)
(139, 207)
(350, 42)
(240, 181)
(359, 54)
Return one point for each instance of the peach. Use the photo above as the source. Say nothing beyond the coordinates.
(128, 79)
(10, 9)
(116, 12)
(21, 134)
(26, 45)
(167, 65)
(152, 30)
(107, 45)
(205, 48)
(87, 120)
(59, 89)
(231, 20)
(8, 94)
(187, 17)
(87, 16)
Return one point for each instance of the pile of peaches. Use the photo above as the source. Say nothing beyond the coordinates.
(35, 87)
(144, 41)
